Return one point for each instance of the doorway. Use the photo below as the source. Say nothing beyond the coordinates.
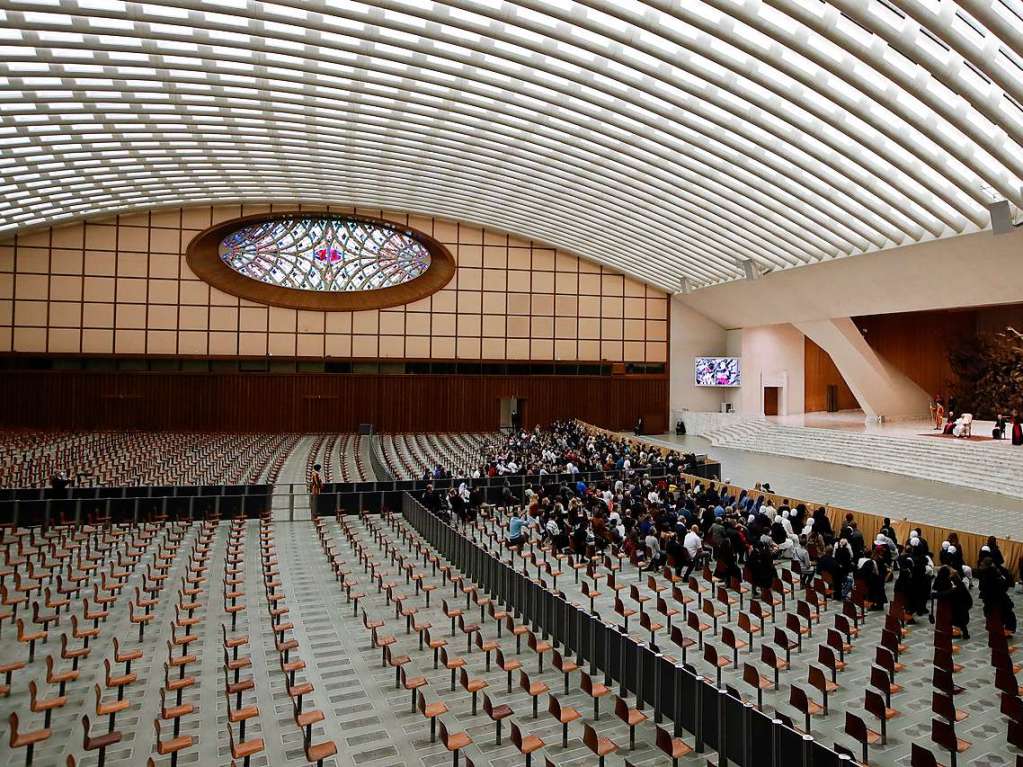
(513, 413)
(771, 397)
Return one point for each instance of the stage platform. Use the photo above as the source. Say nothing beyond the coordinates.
(896, 473)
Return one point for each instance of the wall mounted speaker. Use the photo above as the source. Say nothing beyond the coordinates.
(1001, 217)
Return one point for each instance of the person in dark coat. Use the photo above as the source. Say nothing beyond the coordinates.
(950, 592)
(761, 564)
(873, 571)
(995, 582)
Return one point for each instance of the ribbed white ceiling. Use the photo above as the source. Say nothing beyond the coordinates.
(665, 139)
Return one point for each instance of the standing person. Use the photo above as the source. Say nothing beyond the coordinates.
(939, 414)
(315, 480)
(1017, 429)
(949, 590)
(995, 582)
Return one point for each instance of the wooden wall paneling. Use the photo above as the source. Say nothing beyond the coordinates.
(318, 402)
(819, 371)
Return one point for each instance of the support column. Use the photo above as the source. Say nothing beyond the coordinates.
(880, 388)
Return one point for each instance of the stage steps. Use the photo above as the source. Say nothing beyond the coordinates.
(995, 467)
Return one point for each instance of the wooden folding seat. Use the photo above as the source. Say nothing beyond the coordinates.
(125, 656)
(751, 675)
(55, 603)
(623, 611)
(172, 745)
(411, 683)
(487, 647)
(516, 631)
(26, 740)
(675, 748)
(857, 729)
(716, 661)
(244, 749)
(539, 647)
(508, 665)
(817, 679)
(595, 690)
(397, 662)
(109, 710)
(296, 690)
(649, 625)
(730, 641)
(99, 742)
(526, 744)
(800, 701)
(120, 681)
(943, 734)
(630, 716)
(44, 705)
(237, 715)
(826, 657)
(30, 638)
(592, 595)
(694, 622)
(178, 684)
(600, 746)
(666, 610)
(533, 689)
(881, 681)
(873, 702)
(497, 714)
(454, 742)
(8, 669)
(431, 711)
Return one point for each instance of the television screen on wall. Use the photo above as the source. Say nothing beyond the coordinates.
(718, 371)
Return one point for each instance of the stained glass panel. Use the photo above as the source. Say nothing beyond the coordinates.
(333, 254)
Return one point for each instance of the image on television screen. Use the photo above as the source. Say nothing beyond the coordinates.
(717, 371)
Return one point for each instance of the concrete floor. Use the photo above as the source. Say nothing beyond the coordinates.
(874, 492)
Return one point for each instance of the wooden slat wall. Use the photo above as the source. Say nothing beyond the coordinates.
(819, 372)
(317, 402)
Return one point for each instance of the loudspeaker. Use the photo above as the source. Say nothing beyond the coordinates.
(1001, 217)
(750, 269)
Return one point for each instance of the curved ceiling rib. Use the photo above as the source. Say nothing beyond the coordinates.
(665, 140)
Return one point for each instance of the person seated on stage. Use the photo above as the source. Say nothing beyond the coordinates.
(950, 424)
(999, 431)
(959, 427)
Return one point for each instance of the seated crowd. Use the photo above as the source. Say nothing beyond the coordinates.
(666, 521)
(566, 447)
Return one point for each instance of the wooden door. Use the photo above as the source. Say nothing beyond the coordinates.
(770, 400)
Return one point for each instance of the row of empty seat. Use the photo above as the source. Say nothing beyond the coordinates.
(411, 456)
(340, 456)
(32, 458)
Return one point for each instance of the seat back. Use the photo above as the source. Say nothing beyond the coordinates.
(944, 735)
(798, 699)
(921, 757)
(816, 678)
(750, 675)
(874, 704)
(855, 727)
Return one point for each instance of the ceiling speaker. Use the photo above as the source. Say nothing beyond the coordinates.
(1001, 217)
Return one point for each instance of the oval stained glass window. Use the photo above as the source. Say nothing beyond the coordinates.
(335, 254)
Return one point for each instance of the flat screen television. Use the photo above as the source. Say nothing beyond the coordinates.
(718, 371)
